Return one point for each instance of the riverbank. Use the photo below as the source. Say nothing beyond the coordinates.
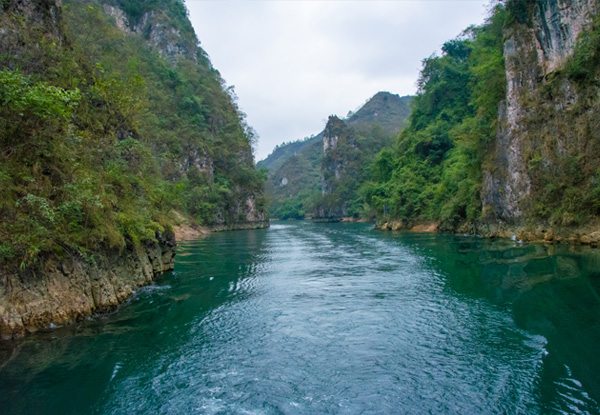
(244, 226)
(582, 235)
(59, 292)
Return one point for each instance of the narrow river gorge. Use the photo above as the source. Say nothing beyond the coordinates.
(307, 318)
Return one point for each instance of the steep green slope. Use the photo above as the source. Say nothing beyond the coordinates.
(111, 119)
(294, 186)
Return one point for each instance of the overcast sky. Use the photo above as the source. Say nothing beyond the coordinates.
(293, 63)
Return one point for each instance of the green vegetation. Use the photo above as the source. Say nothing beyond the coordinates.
(294, 186)
(284, 151)
(101, 143)
(434, 171)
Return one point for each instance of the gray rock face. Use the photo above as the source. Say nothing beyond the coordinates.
(333, 165)
(35, 17)
(61, 292)
(253, 214)
(531, 55)
(121, 20)
(557, 24)
(168, 40)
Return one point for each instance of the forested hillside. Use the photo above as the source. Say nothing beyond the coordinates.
(502, 137)
(112, 118)
(434, 170)
(114, 126)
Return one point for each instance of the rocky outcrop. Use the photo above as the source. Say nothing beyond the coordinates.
(333, 163)
(398, 225)
(249, 216)
(557, 24)
(153, 25)
(62, 291)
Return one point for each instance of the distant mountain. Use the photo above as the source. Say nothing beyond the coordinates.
(295, 169)
(385, 110)
(283, 152)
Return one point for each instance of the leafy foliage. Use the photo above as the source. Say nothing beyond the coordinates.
(434, 172)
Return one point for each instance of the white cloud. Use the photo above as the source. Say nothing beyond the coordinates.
(293, 63)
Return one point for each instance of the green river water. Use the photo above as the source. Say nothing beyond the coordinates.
(309, 318)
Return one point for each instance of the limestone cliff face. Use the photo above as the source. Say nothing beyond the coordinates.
(557, 24)
(60, 292)
(333, 163)
(338, 141)
(539, 130)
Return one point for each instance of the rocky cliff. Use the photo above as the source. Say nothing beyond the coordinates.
(349, 147)
(503, 138)
(154, 25)
(339, 149)
(544, 158)
(61, 291)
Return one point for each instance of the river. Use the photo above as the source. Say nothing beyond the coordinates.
(309, 318)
